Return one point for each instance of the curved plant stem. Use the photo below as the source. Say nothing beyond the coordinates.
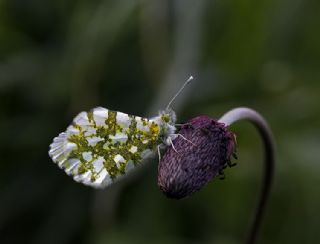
(260, 123)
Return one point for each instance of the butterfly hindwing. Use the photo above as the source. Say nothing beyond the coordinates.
(102, 145)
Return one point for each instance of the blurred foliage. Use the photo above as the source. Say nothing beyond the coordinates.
(58, 58)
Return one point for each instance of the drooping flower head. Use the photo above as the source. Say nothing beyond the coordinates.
(200, 152)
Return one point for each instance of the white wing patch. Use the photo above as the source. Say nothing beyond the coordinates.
(123, 119)
(100, 115)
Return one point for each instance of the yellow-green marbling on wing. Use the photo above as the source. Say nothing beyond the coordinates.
(102, 145)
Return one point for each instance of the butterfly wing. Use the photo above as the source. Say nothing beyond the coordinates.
(101, 145)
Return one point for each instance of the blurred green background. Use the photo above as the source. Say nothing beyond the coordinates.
(58, 58)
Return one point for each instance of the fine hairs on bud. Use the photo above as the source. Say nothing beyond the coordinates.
(177, 94)
(201, 152)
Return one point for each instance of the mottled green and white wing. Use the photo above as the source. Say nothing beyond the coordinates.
(102, 145)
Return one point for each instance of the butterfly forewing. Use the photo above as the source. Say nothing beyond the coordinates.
(102, 145)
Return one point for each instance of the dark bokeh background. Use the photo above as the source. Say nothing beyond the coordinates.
(58, 58)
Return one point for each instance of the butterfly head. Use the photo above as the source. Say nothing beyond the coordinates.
(166, 121)
(168, 116)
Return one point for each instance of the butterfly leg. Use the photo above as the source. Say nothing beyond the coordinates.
(185, 139)
(183, 124)
(171, 143)
(159, 153)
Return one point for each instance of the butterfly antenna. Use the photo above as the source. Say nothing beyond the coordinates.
(175, 96)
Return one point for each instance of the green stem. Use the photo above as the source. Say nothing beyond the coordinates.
(260, 123)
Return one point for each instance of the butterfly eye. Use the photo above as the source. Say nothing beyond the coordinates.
(165, 118)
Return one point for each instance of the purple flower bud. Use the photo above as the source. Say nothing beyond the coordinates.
(203, 149)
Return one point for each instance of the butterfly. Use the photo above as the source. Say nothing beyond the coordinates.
(101, 145)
